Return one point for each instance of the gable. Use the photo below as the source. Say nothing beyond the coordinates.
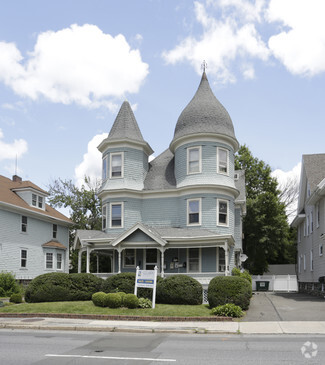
(139, 236)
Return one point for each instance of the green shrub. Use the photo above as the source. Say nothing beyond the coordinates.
(83, 285)
(123, 282)
(2, 303)
(99, 299)
(53, 287)
(8, 284)
(246, 275)
(179, 289)
(131, 301)
(113, 300)
(16, 298)
(229, 289)
(228, 310)
(145, 303)
(122, 295)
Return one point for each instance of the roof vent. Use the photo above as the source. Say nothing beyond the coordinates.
(17, 178)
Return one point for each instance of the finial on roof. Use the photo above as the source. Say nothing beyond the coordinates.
(204, 66)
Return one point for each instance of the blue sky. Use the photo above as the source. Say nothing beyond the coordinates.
(67, 66)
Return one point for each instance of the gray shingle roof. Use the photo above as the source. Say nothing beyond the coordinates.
(315, 169)
(167, 232)
(125, 125)
(161, 173)
(86, 234)
(204, 114)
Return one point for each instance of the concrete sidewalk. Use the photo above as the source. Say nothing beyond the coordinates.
(276, 327)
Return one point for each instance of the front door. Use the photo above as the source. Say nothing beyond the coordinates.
(151, 258)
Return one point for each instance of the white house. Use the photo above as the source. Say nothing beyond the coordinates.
(34, 237)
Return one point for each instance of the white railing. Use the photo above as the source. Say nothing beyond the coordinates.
(288, 283)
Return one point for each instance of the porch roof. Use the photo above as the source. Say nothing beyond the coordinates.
(163, 236)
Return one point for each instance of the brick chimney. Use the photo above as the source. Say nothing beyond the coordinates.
(17, 178)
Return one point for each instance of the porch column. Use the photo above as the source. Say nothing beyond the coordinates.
(162, 272)
(119, 260)
(226, 259)
(79, 260)
(88, 260)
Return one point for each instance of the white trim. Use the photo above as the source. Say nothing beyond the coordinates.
(189, 149)
(227, 217)
(23, 224)
(121, 143)
(49, 253)
(320, 249)
(112, 154)
(110, 214)
(199, 212)
(62, 260)
(218, 161)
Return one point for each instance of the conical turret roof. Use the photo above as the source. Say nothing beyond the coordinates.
(125, 129)
(204, 114)
(125, 125)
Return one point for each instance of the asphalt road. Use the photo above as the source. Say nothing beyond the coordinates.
(269, 306)
(88, 348)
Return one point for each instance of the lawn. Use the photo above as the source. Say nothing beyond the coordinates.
(87, 307)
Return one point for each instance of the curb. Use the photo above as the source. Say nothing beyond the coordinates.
(107, 317)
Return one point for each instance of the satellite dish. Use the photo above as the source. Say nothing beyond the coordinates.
(243, 257)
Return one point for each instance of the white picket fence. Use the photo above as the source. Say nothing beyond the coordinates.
(285, 283)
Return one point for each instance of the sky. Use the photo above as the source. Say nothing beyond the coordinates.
(67, 66)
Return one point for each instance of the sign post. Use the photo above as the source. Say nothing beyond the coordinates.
(146, 279)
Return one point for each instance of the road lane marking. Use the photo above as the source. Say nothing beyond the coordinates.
(112, 358)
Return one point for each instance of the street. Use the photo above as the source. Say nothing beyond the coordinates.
(60, 348)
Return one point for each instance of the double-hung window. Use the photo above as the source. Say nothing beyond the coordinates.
(194, 212)
(23, 258)
(194, 160)
(104, 168)
(116, 215)
(222, 161)
(55, 230)
(317, 215)
(104, 217)
(116, 165)
(222, 213)
(49, 260)
(59, 261)
(24, 223)
(34, 200)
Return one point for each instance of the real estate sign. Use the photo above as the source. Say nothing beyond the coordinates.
(146, 279)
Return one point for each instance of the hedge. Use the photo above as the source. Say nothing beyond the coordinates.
(179, 289)
(55, 287)
(229, 289)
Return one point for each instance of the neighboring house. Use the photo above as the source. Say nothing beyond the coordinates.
(34, 237)
(181, 212)
(310, 223)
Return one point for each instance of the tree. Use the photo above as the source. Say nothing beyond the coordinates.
(84, 208)
(265, 226)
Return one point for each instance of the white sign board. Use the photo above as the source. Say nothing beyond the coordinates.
(146, 279)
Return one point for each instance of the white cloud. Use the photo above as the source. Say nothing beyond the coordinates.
(91, 165)
(224, 40)
(80, 64)
(289, 181)
(301, 45)
(9, 151)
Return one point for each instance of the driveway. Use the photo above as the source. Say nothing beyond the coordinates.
(270, 306)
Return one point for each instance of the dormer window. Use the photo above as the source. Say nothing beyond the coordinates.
(37, 201)
(222, 161)
(194, 160)
(116, 165)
